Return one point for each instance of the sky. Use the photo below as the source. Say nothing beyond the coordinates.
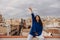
(19, 8)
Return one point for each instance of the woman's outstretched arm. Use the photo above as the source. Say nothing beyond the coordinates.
(32, 14)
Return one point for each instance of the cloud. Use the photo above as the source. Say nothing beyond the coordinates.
(18, 8)
(56, 5)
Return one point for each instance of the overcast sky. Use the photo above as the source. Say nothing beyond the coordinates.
(18, 8)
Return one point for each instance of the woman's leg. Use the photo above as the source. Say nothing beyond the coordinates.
(41, 37)
(29, 37)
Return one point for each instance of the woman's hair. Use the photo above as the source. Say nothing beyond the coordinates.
(39, 20)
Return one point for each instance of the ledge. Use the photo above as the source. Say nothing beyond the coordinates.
(26, 37)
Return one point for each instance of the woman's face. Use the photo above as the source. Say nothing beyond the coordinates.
(37, 18)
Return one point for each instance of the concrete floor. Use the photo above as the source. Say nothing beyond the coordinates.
(26, 38)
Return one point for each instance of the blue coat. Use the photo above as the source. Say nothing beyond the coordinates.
(36, 27)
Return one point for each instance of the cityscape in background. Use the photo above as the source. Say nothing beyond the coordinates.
(11, 27)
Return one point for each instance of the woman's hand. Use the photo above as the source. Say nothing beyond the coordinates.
(30, 10)
(36, 33)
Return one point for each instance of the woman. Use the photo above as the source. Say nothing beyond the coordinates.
(37, 27)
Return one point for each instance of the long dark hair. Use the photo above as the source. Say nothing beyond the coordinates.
(39, 20)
